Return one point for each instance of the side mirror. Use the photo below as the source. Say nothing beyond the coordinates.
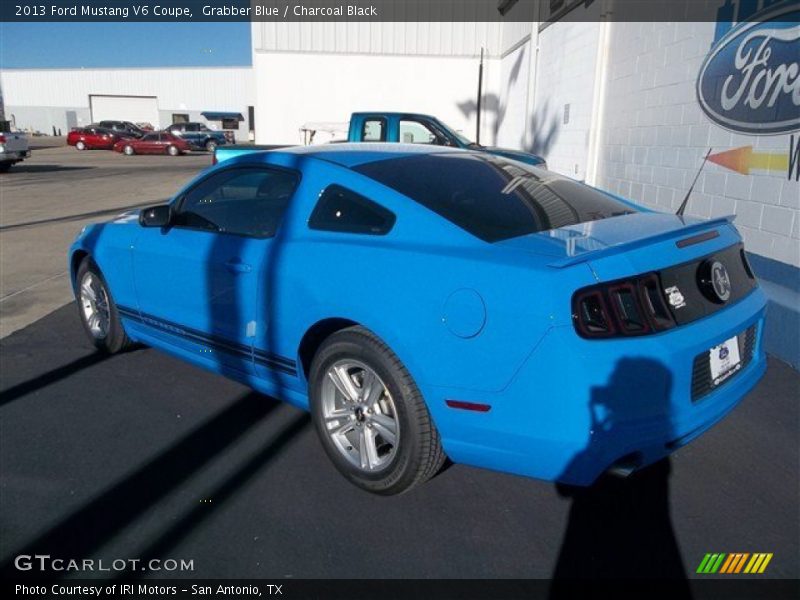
(156, 216)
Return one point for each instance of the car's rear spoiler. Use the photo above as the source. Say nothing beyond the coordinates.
(638, 243)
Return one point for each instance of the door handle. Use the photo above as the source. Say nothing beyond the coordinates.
(236, 266)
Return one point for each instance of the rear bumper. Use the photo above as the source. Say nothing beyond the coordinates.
(576, 407)
(14, 156)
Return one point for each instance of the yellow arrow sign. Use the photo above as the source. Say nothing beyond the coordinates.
(743, 159)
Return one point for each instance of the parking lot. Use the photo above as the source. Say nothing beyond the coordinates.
(140, 455)
(48, 198)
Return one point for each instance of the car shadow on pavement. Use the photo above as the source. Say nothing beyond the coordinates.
(189, 522)
(77, 217)
(98, 521)
(45, 168)
(50, 377)
(620, 528)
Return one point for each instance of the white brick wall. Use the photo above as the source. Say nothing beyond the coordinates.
(654, 133)
(565, 75)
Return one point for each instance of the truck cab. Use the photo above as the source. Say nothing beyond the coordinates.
(395, 127)
(415, 128)
(13, 146)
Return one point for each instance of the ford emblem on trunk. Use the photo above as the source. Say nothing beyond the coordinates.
(720, 281)
(750, 81)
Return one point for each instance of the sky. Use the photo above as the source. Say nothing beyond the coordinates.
(75, 45)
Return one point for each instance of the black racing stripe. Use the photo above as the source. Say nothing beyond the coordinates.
(262, 357)
(274, 357)
(128, 313)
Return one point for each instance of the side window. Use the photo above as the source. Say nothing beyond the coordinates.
(243, 201)
(339, 209)
(150, 137)
(374, 130)
(191, 127)
(416, 132)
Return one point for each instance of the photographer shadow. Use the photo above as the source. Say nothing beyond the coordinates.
(620, 528)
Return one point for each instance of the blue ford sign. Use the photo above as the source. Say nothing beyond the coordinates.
(750, 81)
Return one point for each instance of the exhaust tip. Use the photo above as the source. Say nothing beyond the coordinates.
(625, 466)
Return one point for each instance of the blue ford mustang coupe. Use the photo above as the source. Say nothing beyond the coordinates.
(430, 302)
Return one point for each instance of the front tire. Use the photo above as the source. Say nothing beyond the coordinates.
(211, 145)
(370, 416)
(128, 150)
(98, 311)
(80, 146)
(173, 150)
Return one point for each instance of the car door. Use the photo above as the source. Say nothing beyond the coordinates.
(148, 144)
(191, 133)
(198, 280)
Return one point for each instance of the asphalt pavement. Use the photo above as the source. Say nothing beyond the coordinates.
(140, 455)
(47, 199)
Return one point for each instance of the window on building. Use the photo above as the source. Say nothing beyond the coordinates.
(180, 118)
(342, 210)
(230, 123)
(374, 130)
(242, 201)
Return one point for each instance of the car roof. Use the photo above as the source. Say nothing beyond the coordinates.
(354, 154)
(392, 114)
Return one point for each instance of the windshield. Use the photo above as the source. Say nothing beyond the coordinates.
(493, 198)
(461, 138)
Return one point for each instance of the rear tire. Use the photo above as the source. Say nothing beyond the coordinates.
(370, 416)
(80, 145)
(5, 166)
(173, 150)
(211, 145)
(98, 311)
(128, 150)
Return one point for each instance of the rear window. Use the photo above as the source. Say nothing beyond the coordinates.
(493, 198)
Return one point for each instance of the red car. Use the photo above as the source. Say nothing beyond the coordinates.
(88, 138)
(153, 143)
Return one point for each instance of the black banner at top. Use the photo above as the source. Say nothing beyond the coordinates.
(366, 10)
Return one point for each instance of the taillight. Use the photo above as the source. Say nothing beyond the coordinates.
(628, 307)
(591, 315)
(214, 158)
(748, 269)
(2, 139)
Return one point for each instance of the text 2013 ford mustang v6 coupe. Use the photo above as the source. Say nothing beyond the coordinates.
(431, 302)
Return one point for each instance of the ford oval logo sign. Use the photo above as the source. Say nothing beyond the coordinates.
(750, 81)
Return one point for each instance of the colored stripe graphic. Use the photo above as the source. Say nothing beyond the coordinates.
(711, 563)
(727, 564)
(758, 563)
(734, 563)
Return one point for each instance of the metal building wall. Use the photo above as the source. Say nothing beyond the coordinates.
(408, 39)
(42, 98)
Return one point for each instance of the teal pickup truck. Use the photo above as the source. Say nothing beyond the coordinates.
(393, 127)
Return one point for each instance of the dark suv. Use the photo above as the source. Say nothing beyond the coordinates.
(199, 136)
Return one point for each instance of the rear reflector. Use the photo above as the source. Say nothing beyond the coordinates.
(468, 405)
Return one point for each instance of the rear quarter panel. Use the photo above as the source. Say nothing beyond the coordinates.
(397, 286)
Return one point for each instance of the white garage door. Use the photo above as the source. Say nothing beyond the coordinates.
(125, 108)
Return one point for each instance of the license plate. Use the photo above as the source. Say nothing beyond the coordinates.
(725, 360)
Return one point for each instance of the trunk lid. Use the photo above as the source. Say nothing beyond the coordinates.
(630, 244)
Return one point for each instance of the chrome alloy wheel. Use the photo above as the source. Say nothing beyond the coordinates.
(359, 415)
(94, 303)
